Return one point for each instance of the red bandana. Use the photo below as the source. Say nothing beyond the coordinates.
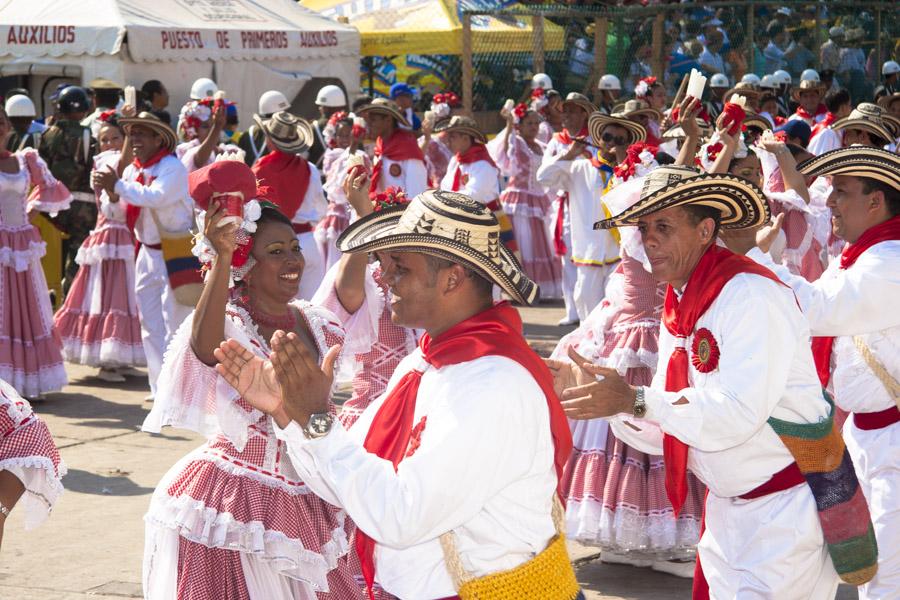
(402, 145)
(475, 153)
(288, 176)
(801, 112)
(823, 124)
(883, 232)
(566, 138)
(496, 331)
(132, 212)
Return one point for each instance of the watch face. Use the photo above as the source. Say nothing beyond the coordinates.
(320, 424)
(640, 410)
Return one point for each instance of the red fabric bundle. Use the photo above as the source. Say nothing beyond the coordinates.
(735, 115)
(221, 177)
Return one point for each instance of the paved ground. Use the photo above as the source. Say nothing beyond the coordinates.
(92, 546)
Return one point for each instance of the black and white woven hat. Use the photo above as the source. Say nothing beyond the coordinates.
(288, 133)
(856, 161)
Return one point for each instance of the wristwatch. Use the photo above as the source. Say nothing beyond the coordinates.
(319, 425)
(640, 407)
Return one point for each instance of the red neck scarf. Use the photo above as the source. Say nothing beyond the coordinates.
(402, 145)
(496, 331)
(566, 138)
(883, 232)
(475, 153)
(823, 124)
(801, 112)
(288, 175)
(132, 213)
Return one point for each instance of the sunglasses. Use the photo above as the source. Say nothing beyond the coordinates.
(608, 137)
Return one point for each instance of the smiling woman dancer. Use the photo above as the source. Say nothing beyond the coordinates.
(232, 519)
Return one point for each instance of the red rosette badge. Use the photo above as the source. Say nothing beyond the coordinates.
(705, 351)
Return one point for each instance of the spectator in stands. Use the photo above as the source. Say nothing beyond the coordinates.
(711, 61)
(155, 97)
(803, 58)
(890, 82)
(736, 56)
(830, 52)
(780, 48)
(852, 70)
(640, 66)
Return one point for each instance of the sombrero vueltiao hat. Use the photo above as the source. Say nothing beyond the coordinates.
(598, 121)
(866, 117)
(385, 107)
(448, 225)
(740, 202)
(886, 100)
(634, 108)
(581, 101)
(856, 161)
(892, 124)
(753, 119)
(805, 86)
(152, 122)
(288, 133)
(461, 124)
(675, 132)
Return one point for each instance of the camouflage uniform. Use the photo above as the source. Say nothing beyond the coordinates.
(70, 160)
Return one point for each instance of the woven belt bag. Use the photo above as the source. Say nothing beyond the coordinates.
(548, 576)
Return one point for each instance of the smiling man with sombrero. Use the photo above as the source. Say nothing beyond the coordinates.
(297, 187)
(399, 162)
(594, 253)
(809, 95)
(864, 125)
(851, 310)
(154, 189)
(641, 113)
(452, 475)
(735, 399)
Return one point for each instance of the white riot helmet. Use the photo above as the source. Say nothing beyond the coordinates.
(20, 106)
(331, 96)
(203, 88)
(272, 102)
(542, 81)
(719, 80)
(782, 77)
(810, 75)
(889, 68)
(768, 82)
(609, 82)
(751, 78)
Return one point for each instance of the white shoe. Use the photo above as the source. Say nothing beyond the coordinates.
(148, 398)
(130, 372)
(110, 376)
(678, 568)
(617, 558)
(566, 321)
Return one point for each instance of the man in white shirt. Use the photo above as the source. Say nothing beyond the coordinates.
(155, 188)
(734, 352)
(461, 456)
(859, 345)
(399, 161)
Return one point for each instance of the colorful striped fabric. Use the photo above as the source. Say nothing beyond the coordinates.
(506, 229)
(819, 451)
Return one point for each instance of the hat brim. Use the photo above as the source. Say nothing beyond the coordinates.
(864, 125)
(795, 92)
(585, 105)
(170, 140)
(676, 132)
(446, 127)
(892, 124)
(888, 99)
(384, 110)
(378, 231)
(302, 143)
(758, 121)
(740, 202)
(746, 92)
(597, 121)
(856, 161)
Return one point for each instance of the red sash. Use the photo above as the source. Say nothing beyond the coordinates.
(559, 245)
(496, 331)
(883, 232)
(288, 175)
(132, 212)
(823, 124)
(402, 145)
(801, 112)
(475, 153)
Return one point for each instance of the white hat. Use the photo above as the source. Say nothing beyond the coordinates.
(782, 77)
(542, 81)
(836, 31)
(769, 82)
(784, 10)
(609, 82)
(719, 80)
(272, 102)
(752, 79)
(20, 106)
(810, 75)
(203, 88)
(890, 67)
(331, 96)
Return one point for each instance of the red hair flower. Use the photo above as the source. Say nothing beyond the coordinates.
(712, 151)
(704, 351)
(626, 169)
(106, 115)
(242, 253)
(538, 93)
(520, 111)
(338, 116)
(391, 196)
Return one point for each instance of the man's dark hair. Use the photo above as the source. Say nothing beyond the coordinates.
(482, 284)
(106, 98)
(270, 214)
(361, 101)
(836, 99)
(697, 212)
(774, 28)
(150, 87)
(891, 195)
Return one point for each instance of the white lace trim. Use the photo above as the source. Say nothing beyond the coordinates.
(22, 260)
(47, 378)
(92, 255)
(108, 352)
(43, 485)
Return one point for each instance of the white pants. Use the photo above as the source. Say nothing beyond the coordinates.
(769, 548)
(590, 287)
(314, 270)
(568, 267)
(160, 313)
(876, 458)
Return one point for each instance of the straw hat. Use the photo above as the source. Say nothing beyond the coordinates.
(581, 101)
(447, 225)
(805, 86)
(753, 119)
(288, 133)
(633, 108)
(598, 121)
(461, 124)
(886, 100)
(151, 121)
(740, 202)
(892, 124)
(856, 161)
(866, 117)
(101, 83)
(675, 132)
(748, 90)
(385, 107)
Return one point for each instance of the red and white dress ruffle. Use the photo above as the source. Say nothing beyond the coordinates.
(232, 519)
(30, 349)
(339, 213)
(528, 206)
(27, 451)
(99, 322)
(437, 160)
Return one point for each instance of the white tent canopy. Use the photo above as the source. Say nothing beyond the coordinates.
(247, 46)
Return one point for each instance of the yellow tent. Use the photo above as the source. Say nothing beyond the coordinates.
(397, 27)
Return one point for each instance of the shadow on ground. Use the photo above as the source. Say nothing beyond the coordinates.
(82, 407)
(114, 484)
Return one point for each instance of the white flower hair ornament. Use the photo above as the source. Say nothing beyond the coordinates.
(193, 114)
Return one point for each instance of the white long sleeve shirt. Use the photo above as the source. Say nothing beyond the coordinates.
(412, 177)
(165, 191)
(858, 301)
(480, 180)
(314, 205)
(827, 139)
(484, 469)
(765, 369)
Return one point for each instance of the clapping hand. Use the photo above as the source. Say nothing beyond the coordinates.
(297, 370)
(593, 398)
(743, 240)
(253, 378)
(105, 179)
